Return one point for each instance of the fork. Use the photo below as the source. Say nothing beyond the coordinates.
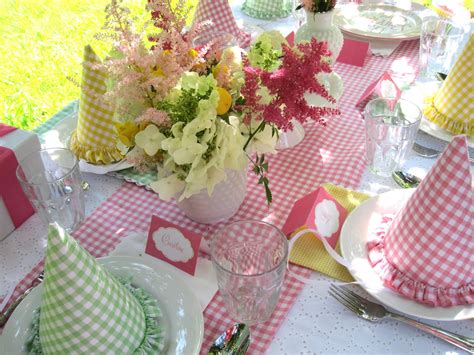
(432, 153)
(4, 316)
(375, 312)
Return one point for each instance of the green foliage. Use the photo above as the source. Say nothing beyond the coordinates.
(42, 46)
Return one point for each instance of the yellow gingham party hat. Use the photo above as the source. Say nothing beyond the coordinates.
(452, 107)
(95, 138)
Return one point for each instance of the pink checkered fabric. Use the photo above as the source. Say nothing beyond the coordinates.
(220, 13)
(335, 153)
(427, 251)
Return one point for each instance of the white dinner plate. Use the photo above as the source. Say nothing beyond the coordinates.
(182, 317)
(383, 22)
(417, 93)
(353, 241)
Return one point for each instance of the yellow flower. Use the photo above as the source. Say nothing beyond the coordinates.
(217, 69)
(126, 132)
(157, 70)
(193, 53)
(225, 101)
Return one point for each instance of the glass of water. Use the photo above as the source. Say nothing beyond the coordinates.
(250, 259)
(52, 181)
(439, 44)
(391, 126)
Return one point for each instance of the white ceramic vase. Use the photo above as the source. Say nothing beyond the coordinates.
(289, 139)
(224, 202)
(320, 25)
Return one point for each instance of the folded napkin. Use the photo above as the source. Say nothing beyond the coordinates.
(203, 283)
(267, 9)
(95, 138)
(220, 14)
(309, 251)
(425, 251)
(86, 310)
(452, 106)
(379, 48)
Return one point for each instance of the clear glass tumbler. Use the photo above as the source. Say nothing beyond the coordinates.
(439, 44)
(391, 127)
(250, 261)
(52, 181)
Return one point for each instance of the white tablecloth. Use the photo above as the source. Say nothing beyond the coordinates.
(316, 323)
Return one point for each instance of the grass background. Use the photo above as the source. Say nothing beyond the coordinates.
(42, 46)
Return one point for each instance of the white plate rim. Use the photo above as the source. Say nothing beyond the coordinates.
(417, 94)
(193, 326)
(371, 35)
(352, 242)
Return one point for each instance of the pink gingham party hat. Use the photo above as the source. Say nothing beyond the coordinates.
(220, 14)
(426, 251)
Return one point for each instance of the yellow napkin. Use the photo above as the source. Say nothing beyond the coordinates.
(451, 107)
(309, 251)
(95, 138)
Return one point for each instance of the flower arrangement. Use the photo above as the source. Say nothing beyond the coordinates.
(192, 112)
(317, 5)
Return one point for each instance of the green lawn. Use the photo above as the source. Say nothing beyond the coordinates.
(41, 47)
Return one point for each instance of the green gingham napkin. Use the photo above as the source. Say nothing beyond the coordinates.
(267, 9)
(86, 310)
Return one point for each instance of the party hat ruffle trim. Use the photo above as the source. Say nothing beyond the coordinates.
(451, 125)
(94, 155)
(265, 15)
(153, 341)
(406, 286)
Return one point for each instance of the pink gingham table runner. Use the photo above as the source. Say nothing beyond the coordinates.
(335, 154)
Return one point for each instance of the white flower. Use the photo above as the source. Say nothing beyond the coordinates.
(150, 139)
(168, 187)
(262, 142)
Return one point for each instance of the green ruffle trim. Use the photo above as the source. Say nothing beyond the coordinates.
(448, 123)
(100, 156)
(153, 341)
(266, 15)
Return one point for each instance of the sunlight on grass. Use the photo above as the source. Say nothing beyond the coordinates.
(42, 46)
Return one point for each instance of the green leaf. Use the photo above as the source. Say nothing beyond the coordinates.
(265, 167)
(268, 193)
(256, 169)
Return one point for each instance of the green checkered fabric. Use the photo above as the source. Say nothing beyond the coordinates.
(267, 9)
(84, 309)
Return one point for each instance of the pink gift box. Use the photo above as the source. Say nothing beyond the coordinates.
(14, 205)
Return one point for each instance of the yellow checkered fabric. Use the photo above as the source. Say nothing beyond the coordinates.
(309, 251)
(95, 138)
(452, 107)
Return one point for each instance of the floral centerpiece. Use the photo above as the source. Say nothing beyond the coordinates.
(191, 113)
(317, 5)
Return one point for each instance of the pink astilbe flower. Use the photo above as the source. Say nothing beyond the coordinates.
(287, 86)
(252, 108)
(157, 117)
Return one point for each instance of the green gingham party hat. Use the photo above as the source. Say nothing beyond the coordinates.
(267, 9)
(86, 310)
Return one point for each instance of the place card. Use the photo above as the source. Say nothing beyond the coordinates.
(353, 52)
(384, 87)
(172, 244)
(291, 38)
(320, 211)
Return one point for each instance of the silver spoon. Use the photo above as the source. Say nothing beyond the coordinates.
(405, 180)
(235, 340)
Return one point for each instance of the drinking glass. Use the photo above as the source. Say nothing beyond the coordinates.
(439, 43)
(52, 181)
(250, 259)
(391, 126)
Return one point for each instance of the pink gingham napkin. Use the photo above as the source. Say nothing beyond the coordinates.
(220, 13)
(425, 252)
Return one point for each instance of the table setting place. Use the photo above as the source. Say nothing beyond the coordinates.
(249, 176)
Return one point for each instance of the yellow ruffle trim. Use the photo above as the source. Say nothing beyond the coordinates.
(99, 156)
(448, 123)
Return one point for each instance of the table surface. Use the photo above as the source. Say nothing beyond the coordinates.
(316, 323)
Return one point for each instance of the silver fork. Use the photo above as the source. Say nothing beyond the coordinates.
(433, 153)
(375, 312)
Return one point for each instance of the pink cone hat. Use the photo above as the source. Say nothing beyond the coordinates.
(426, 251)
(220, 13)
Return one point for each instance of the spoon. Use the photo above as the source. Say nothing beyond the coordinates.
(235, 340)
(405, 180)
